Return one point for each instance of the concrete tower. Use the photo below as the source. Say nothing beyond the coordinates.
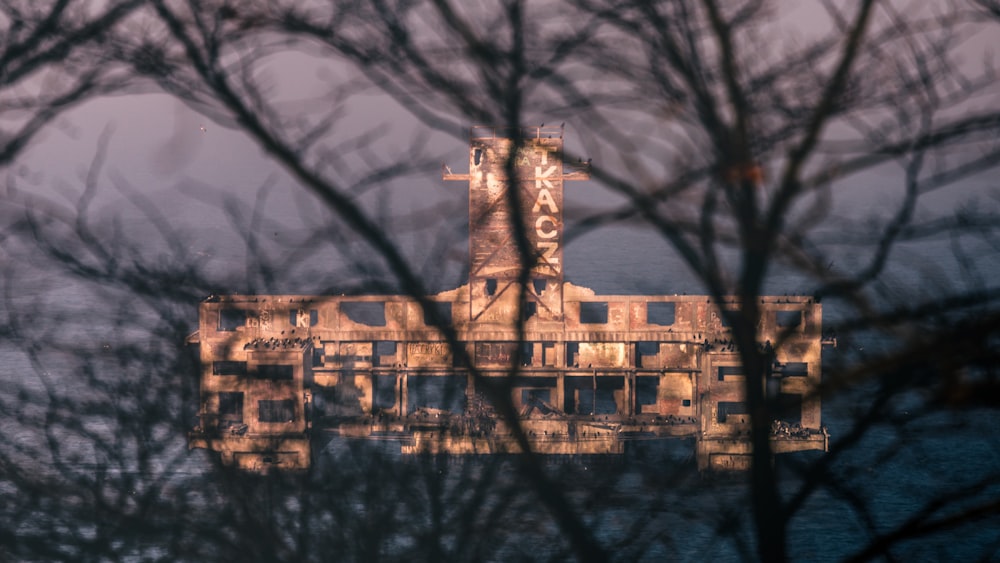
(534, 168)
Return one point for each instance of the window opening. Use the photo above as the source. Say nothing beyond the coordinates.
(646, 354)
(275, 371)
(536, 397)
(231, 406)
(594, 312)
(527, 353)
(573, 354)
(732, 412)
(384, 395)
(646, 387)
(276, 411)
(232, 319)
(226, 367)
(788, 319)
(385, 352)
(723, 319)
(795, 369)
(539, 285)
(660, 313)
(443, 310)
(789, 408)
(592, 395)
(530, 310)
(605, 401)
(437, 392)
(371, 313)
(725, 371)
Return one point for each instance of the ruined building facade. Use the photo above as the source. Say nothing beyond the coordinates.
(282, 374)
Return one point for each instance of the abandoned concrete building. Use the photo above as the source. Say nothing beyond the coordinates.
(283, 374)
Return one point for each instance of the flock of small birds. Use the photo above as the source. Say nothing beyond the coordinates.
(275, 343)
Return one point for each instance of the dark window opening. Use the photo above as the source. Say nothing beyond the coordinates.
(725, 371)
(232, 319)
(318, 357)
(585, 401)
(276, 411)
(795, 369)
(686, 403)
(788, 319)
(578, 395)
(646, 388)
(491, 287)
(229, 368)
(646, 354)
(477, 156)
(371, 313)
(573, 354)
(384, 394)
(724, 318)
(594, 312)
(385, 353)
(772, 386)
(536, 397)
(539, 285)
(658, 313)
(647, 348)
(530, 310)
(790, 408)
(733, 412)
(606, 403)
(440, 392)
(275, 371)
(527, 352)
(589, 395)
(443, 310)
(231, 406)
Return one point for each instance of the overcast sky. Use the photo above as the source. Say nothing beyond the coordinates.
(187, 164)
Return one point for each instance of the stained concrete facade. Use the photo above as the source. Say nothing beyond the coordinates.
(282, 373)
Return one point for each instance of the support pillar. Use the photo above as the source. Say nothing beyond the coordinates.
(404, 395)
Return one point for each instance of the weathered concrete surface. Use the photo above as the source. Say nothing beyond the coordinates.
(593, 371)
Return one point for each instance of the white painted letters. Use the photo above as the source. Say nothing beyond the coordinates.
(546, 200)
(539, 227)
(542, 178)
(548, 249)
(547, 224)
